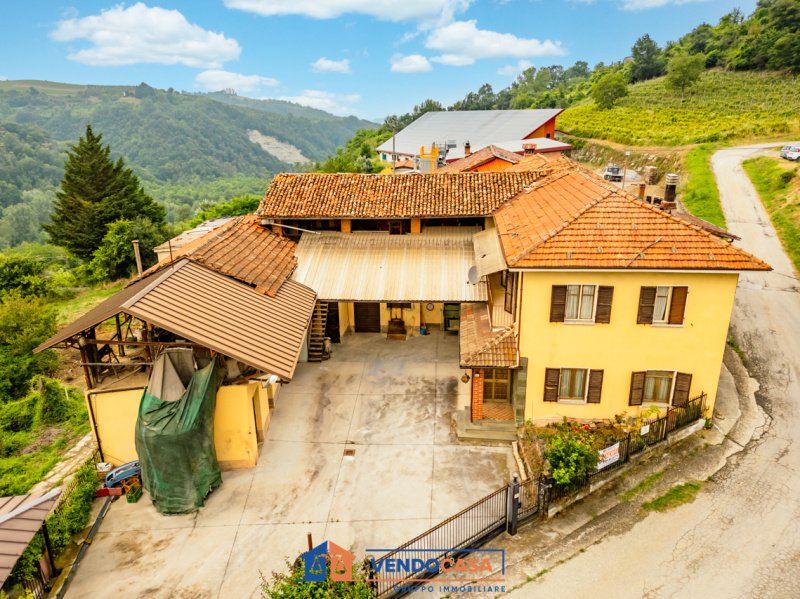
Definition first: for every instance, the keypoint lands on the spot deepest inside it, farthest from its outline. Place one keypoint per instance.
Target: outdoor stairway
(316, 344)
(487, 430)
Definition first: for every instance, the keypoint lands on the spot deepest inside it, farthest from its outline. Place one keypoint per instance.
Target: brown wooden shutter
(647, 305)
(637, 388)
(604, 297)
(683, 382)
(558, 303)
(595, 386)
(551, 378)
(677, 306)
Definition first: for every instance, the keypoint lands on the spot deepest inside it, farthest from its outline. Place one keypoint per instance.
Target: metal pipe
(143, 343)
(117, 363)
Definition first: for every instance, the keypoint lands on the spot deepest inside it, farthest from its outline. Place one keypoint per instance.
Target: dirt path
(741, 537)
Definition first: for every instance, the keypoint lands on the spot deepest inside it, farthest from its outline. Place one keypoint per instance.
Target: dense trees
(95, 192)
(648, 60)
(608, 89)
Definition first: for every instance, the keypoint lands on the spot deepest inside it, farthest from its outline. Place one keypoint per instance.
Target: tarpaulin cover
(175, 432)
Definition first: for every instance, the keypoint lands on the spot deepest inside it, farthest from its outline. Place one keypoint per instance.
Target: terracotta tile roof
(482, 156)
(480, 346)
(552, 162)
(575, 219)
(704, 224)
(319, 195)
(244, 250)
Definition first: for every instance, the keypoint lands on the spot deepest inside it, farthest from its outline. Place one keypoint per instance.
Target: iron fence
(505, 508)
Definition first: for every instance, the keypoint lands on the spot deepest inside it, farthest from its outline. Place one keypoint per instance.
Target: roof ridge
(493, 342)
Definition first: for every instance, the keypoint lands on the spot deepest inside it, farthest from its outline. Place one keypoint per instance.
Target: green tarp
(175, 432)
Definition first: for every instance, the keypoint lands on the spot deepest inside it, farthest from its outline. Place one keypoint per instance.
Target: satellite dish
(473, 276)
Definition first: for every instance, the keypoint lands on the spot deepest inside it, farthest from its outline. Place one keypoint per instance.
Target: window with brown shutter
(595, 386)
(551, 378)
(683, 382)
(511, 293)
(677, 306)
(604, 297)
(647, 303)
(637, 388)
(558, 303)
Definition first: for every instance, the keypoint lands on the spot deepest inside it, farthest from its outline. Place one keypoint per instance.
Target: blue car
(122, 473)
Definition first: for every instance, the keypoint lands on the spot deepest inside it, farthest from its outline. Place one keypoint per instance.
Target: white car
(791, 153)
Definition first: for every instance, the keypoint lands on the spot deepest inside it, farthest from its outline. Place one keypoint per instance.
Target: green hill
(723, 105)
(187, 148)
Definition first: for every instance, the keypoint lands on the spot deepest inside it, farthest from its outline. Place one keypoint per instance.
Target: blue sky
(365, 57)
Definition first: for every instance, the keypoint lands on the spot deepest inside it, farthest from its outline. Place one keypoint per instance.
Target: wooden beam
(143, 343)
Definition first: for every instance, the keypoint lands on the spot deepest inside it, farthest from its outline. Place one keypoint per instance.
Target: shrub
(572, 456)
(292, 586)
(17, 416)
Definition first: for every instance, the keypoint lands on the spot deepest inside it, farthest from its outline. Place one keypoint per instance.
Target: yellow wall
(622, 347)
(235, 432)
(345, 309)
(412, 316)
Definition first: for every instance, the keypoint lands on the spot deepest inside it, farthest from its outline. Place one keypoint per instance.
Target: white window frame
(574, 400)
(665, 319)
(579, 320)
(660, 404)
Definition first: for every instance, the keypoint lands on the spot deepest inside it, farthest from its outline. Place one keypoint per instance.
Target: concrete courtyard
(392, 402)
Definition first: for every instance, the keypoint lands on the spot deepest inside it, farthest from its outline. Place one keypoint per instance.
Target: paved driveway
(391, 402)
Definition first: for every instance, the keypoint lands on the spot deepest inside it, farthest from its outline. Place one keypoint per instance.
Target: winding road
(741, 536)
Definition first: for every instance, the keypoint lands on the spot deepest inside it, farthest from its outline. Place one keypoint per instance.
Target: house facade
(570, 297)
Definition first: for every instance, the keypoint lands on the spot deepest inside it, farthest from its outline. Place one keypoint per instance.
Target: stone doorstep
(487, 430)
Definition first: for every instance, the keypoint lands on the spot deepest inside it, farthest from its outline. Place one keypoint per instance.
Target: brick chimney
(530, 149)
(467, 149)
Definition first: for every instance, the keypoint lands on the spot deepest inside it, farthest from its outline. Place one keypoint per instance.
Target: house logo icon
(316, 563)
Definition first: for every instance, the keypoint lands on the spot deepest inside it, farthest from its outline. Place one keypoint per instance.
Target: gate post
(512, 505)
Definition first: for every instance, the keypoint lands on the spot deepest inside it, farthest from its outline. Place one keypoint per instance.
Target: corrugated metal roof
(21, 517)
(479, 345)
(489, 256)
(216, 311)
(479, 127)
(230, 317)
(429, 266)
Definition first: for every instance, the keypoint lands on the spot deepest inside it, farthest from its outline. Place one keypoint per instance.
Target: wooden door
(368, 317)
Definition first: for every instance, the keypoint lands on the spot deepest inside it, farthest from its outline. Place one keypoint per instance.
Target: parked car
(612, 173)
(791, 153)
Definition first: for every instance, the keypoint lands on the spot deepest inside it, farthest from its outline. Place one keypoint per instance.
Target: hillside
(185, 147)
(723, 105)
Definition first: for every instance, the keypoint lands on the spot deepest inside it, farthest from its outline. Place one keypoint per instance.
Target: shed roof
(479, 345)
(21, 517)
(431, 266)
(481, 157)
(182, 239)
(241, 248)
(489, 256)
(479, 127)
(575, 219)
(215, 311)
(321, 195)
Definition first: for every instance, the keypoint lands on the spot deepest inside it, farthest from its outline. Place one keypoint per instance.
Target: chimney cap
(529, 148)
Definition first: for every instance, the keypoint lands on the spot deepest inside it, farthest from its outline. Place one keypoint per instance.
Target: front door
(368, 317)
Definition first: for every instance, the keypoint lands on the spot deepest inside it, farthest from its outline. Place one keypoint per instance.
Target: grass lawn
(777, 183)
(644, 486)
(677, 495)
(700, 194)
(69, 309)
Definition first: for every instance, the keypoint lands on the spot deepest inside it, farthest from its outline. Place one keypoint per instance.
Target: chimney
(671, 187)
(529, 149)
(467, 149)
(642, 190)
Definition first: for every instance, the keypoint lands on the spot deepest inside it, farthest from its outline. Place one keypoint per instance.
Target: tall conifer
(95, 192)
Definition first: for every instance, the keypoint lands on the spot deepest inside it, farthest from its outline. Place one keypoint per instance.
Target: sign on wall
(607, 456)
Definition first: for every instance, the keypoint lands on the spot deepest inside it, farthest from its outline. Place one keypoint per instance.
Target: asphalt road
(741, 536)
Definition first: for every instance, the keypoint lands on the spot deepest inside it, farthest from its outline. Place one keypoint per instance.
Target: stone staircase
(484, 430)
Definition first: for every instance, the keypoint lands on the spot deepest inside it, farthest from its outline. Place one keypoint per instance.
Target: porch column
(476, 405)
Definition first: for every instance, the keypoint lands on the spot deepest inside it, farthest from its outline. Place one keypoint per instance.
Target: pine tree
(95, 192)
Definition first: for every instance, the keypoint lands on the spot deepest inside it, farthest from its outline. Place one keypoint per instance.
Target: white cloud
(3, 78)
(412, 63)
(387, 10)
(462, 43)
(215, 80)
(326, 65)
(511, 70)
(327, 101)
(141, 34)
